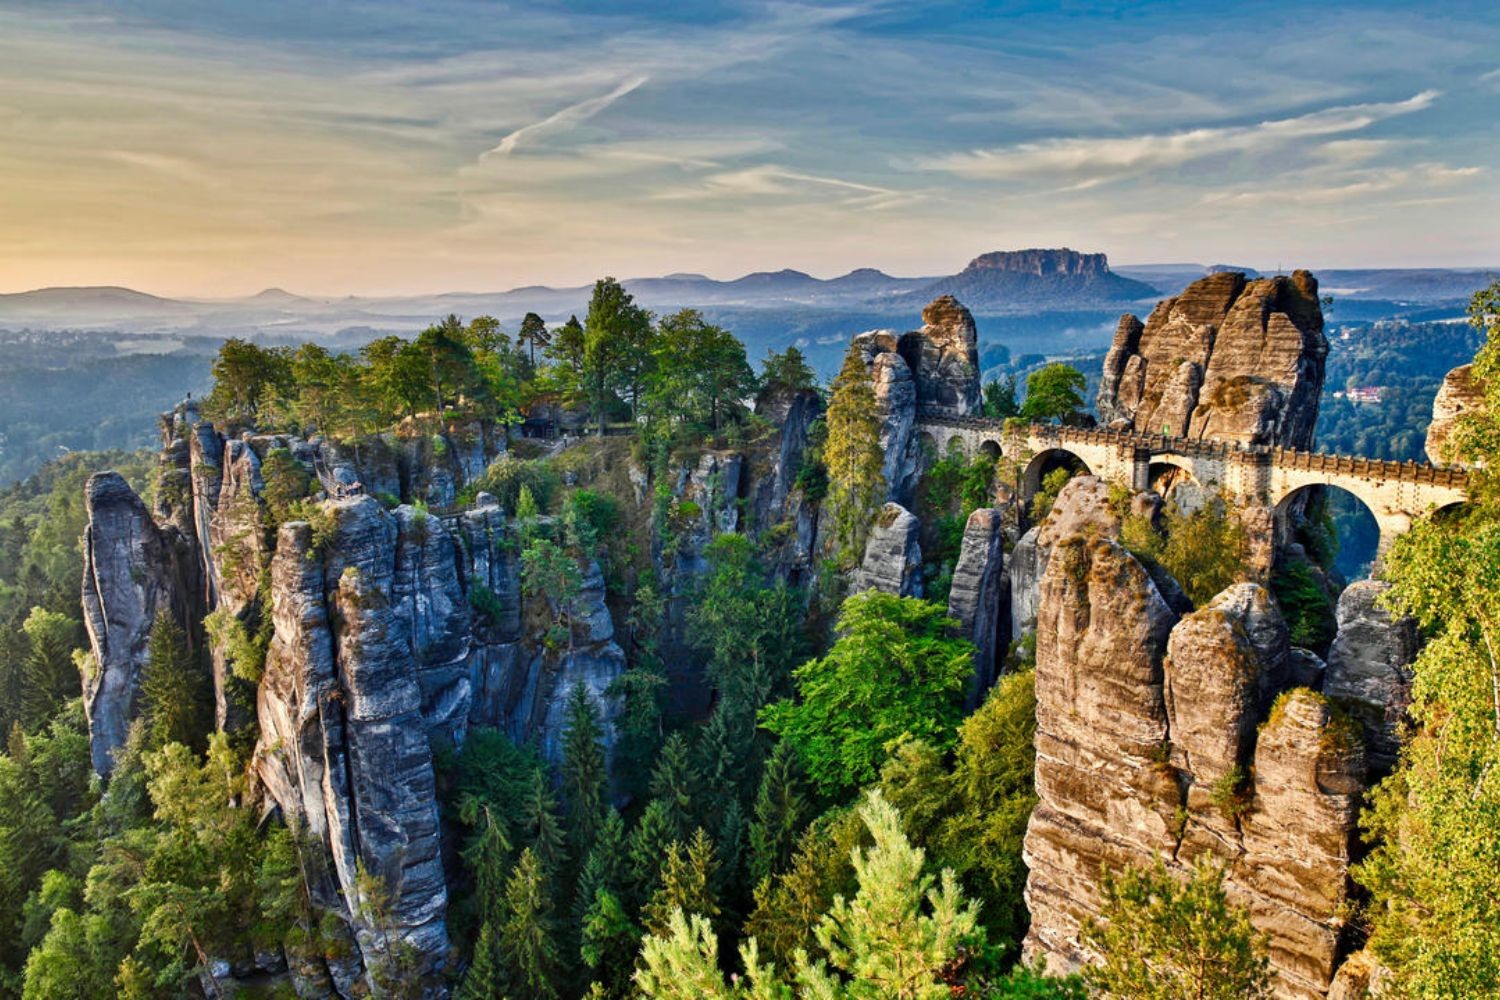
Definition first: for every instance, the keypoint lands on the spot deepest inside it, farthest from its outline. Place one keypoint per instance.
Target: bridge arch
(1355, 524)
(990, 449)
(1176, 479)
(1045, 462)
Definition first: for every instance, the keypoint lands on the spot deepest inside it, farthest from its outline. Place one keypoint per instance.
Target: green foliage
(286, 482)
(1434, 875)
(1230, 793)
(971, 816)
(1204, 551)
(249, 382)
(1046, 495)
(483, 600)
(687, 881)
(528, 933)
(550, 573)
(1000, 399)
(782, 812)
(585, 777)
(507, 478)
(699, 377)
(47, 675)
(853, 456)
(1162, 938)
(1054, 393)
(618, 342)
(896, 670)
(1305, 603)
(174, 689)
(786, 372)
(903, 934)
(244, 651)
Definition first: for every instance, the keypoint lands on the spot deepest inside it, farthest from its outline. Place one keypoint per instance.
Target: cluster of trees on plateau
(678, 376)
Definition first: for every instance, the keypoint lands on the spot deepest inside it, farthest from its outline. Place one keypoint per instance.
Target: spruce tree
(172, 688)
(687, 884)
(854, 457)
(540, 829)
(486, 975)
(584, 774)
(605, 868)
(610, 940)
(528, 934)
(649, 842)
(675, 784)
(781, 813)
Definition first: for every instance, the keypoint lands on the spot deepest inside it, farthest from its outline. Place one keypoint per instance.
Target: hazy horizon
(216, 150)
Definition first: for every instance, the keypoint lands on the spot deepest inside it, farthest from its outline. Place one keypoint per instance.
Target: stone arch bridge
(1396, 493)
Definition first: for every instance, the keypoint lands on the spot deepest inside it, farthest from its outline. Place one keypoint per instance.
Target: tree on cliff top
(853, 455)
(1434, 876)
(1054, 393)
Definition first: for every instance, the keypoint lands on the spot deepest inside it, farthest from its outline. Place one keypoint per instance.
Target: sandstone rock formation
(937, 365)
(1369, 668)
(133, 570)
(1160, 736)
(893, 554)
(1016, 280)
(944, 357)
(1228, 359)
(978, 592)
(1082, 507)
(1458, 395)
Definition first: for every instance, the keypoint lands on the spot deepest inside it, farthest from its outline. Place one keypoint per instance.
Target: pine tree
(584, 774)
(649, 841)
(172, 688)
(486, 976)
(528, 934)
(781, 813)
(605, 867)
(540, 829)
(609, 944)
(47, 674)
(675, 784)
(853, 454)
(686, 884)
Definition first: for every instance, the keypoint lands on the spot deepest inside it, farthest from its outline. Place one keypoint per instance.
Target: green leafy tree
(786, 372)
(584, 773)
(676, 784)
(249, 382)
(49, 676)
(1434, 875)
(852, 453)
(895, 670)
(549, 572)
(1054, 393)
(700, 374)
(904, 935)
(617, 346)
(533, 334)
(1162, 938)
(1204, 551)
(398, 375)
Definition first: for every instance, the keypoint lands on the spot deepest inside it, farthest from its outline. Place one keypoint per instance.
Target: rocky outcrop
(344, 749)
(944, 357)
(1228, 359)
(1458, 395)
(1369, 668)
(1025, 280)
(893, 554)
(133, 570)
(937, 365)
(978, 593)
(771, 481)
(1082, 507)
(1178, 739)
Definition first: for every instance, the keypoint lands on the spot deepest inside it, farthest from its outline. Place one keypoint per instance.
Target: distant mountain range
(999, 284)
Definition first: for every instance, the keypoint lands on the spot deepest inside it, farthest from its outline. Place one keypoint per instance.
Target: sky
(218, 147)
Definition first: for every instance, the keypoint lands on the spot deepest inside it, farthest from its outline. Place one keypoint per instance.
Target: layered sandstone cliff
(1175, 733)
(1458, 395)
(1228, 358)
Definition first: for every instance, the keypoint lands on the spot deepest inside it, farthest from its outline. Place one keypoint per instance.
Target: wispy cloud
(1104, 158)
(565, 119)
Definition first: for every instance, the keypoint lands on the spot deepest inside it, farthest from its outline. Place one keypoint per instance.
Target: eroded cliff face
(937, 366)
(391, 632)
(1168, 732)
(1457, 396)
(1228, 359)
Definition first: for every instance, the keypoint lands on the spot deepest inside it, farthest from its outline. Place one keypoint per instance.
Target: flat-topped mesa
(1042, 262)
(1228, 358)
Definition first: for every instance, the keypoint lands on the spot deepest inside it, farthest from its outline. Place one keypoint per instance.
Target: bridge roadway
(1396, 493)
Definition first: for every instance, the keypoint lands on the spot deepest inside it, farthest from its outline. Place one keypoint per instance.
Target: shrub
(1204, 551)
(506, 475)
(1046, 495)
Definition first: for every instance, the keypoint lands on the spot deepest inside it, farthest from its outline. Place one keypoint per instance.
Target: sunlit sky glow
(219, 147)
